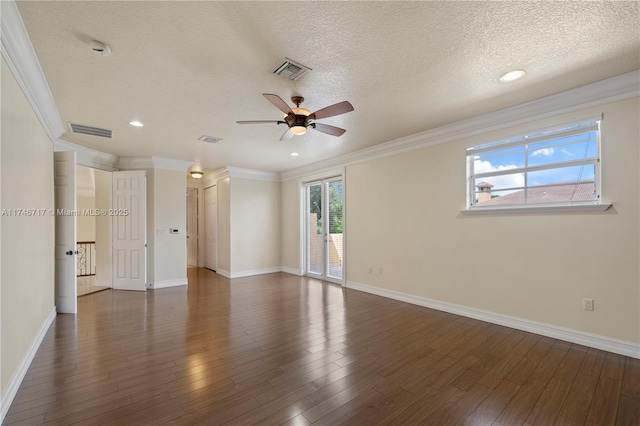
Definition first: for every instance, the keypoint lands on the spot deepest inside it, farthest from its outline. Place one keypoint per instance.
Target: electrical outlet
(587, 304)
(380, 271)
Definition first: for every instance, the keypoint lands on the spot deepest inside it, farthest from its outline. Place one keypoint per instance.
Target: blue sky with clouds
(572, 148)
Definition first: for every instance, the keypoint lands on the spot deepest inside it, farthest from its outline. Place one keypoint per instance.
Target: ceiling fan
(299, 119)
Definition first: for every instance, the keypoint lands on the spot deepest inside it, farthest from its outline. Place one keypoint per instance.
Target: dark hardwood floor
(280, 349)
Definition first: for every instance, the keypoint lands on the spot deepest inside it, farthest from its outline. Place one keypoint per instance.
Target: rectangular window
(557, 166)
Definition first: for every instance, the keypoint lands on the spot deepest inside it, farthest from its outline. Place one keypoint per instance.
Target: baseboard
(168, 283)
(224, 273)
(252, 272)
(621, 347)
(292, 271)
(18, 376)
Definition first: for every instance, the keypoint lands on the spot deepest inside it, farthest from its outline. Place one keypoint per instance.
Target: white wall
(151, 230)
(255, 226)
(169, 211)
(291, 193)
(224, 226)
(85, 224)
(27, 243)
(403, 215)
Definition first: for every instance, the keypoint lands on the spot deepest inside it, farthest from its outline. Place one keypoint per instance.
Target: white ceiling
(186, 69)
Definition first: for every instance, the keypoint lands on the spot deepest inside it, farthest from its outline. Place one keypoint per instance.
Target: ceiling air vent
(88, 130)
(209, 139)
(290, 70)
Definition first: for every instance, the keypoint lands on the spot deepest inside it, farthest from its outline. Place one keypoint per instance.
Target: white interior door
(211, 226)
(129, 230)
(65, 223)
(192, 227)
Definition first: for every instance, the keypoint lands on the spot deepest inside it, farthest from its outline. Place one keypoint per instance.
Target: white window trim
(594, 206)
(537, 209)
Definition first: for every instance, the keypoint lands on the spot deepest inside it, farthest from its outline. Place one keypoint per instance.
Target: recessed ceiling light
(512, 76)
(136, 123)
(294, 154)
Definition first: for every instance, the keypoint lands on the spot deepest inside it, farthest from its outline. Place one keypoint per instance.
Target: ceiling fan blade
(333, 110)
(286, 135)
(330, 130)
(260, 122)
(278, 102)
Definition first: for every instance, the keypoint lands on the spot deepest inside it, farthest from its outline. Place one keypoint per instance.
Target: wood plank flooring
(87, 285)
(280, 349)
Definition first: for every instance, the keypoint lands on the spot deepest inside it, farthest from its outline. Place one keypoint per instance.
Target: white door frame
(329, 177)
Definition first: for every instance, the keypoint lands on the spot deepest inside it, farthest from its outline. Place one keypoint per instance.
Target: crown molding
(18, 52)
(614, 89)
(212, 178)
(240, 173)
(171, 164)
(137, 163)
(87, 156)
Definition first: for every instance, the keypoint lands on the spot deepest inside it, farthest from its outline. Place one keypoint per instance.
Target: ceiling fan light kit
(299, 119)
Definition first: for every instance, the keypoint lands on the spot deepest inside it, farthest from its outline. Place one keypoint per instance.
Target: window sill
(537, 209)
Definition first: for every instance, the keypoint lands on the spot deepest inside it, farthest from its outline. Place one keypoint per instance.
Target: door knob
(69, 253)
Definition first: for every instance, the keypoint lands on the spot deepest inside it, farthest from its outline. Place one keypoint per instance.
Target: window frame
(524, 139)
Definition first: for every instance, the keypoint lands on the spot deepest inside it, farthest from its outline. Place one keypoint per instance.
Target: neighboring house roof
(583, 191)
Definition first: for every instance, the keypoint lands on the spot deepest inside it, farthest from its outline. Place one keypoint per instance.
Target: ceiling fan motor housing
(294, 120)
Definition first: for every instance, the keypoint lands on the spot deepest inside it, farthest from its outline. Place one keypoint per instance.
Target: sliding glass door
(324, 237)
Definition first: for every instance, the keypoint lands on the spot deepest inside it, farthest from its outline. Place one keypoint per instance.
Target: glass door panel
(334, 247)
(324, 244)
(314, 236)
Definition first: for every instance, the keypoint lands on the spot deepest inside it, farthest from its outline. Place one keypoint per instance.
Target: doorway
(192, 227)
(93, 231)
(116, 225)
(324, 229)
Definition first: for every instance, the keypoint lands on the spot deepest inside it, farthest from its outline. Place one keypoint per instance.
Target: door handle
(71, 252)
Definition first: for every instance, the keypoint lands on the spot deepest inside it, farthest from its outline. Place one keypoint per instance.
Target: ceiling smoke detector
(289, 69)
(209, 139)
(100, 47)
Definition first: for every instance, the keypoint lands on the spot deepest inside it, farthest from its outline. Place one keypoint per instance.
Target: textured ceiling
(186, 69)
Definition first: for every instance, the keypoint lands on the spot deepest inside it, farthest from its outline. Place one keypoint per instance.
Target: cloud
(547, 152)
(506, 181)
